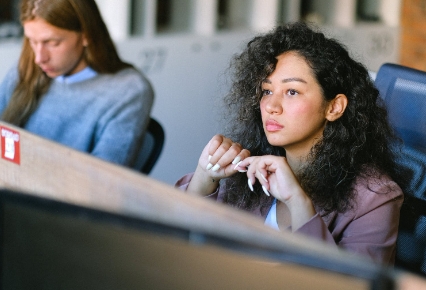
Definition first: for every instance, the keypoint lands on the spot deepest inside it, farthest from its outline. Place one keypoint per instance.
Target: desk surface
(49, 170)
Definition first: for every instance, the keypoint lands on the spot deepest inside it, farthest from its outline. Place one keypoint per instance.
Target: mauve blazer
(369, 229)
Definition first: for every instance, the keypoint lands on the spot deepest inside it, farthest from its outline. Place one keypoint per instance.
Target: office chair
(152, 147)
(403, 90)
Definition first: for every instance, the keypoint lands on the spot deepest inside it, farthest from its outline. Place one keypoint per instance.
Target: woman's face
(292, 106)
(57, 51)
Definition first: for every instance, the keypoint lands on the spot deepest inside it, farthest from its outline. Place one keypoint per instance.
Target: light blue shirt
(271, 218)
(85, 74)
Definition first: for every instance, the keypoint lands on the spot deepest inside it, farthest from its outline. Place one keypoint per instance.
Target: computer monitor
(47, 244)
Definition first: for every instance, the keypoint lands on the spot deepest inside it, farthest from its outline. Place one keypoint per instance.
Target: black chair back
(404, 92)
(152, 147)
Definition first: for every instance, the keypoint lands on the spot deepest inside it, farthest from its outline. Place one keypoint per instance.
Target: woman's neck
(296, 161)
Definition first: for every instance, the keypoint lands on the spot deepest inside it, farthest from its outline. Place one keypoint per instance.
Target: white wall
(185, 71)
(186, 74)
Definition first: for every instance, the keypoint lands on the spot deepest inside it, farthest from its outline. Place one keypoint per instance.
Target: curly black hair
(359, 140)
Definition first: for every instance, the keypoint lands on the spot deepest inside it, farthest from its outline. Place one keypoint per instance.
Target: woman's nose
(273, 104)
(41, 54)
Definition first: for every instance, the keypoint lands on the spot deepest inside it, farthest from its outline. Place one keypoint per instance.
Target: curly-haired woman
(322, 151)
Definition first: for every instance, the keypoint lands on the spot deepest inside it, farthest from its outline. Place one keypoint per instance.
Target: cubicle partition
(71, 221)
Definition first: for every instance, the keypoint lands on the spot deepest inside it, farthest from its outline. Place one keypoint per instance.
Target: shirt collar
(85, 74)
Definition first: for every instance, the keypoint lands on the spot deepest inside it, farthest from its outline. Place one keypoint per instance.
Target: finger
(265, 190)
(263, 181)
(250, 184)
(251, 171)
(217, 141)
(238, 161)
(238, 168)
(245, 162)
(217, 145)
(261, 177)
(257, 170)
(227, 157)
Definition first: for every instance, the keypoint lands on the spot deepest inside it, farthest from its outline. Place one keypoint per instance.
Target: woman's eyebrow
(294, 80)
(287, 80)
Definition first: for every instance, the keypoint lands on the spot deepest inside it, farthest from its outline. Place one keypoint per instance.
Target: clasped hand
(222, 158)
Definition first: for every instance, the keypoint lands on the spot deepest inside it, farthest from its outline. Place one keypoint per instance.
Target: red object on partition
(10, 146)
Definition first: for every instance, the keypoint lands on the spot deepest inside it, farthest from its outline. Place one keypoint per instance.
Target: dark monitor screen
(47, 244)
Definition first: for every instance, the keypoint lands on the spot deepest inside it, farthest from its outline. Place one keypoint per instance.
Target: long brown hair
(76, 15)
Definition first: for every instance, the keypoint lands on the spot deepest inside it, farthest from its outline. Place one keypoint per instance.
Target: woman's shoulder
(123, 85)
(374, 188)
(131, 74)
(8, 84)
(125, 80)
(11, 74)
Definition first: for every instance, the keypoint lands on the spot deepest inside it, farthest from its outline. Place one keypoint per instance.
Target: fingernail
(250, 185)
(209, 166)
(236, 160)
(265, 191)
(240, 170)
(216, 167)
(263, 177)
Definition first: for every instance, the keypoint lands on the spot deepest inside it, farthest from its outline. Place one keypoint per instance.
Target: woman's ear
(336, 107)
(85, 42)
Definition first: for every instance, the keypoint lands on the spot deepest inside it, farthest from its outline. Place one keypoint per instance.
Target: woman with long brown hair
(71, 86)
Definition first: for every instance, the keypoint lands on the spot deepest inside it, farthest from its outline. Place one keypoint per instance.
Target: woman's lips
(46, 69)
(272, 126)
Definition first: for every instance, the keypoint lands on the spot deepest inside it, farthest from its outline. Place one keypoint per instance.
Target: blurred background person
(71, 86)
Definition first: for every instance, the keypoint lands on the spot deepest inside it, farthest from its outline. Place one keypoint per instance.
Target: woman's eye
(266, 92)
(53, 43)
(292, 92)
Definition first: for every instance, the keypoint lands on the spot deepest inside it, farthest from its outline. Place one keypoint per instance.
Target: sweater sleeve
(184, 181)
(121, 129)
(370, 228)
(7, 87)
(316, 227)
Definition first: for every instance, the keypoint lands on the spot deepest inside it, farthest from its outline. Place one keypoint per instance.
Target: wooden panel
(59, 173)
(70, 252)
(50, 170)
(406, 281)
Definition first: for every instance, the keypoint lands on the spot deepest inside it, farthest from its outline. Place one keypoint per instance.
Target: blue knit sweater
(105, 115)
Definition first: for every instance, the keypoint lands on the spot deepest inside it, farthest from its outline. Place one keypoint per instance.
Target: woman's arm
(370, 228)
(120, 130)
(7, 86)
